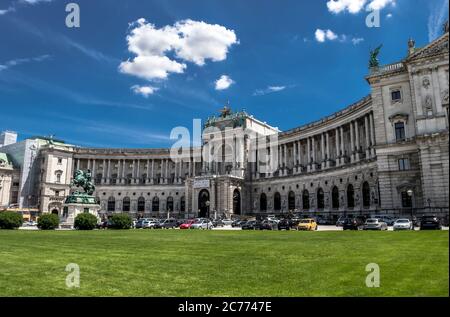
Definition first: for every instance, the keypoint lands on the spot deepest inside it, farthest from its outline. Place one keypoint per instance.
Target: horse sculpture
(84, 180)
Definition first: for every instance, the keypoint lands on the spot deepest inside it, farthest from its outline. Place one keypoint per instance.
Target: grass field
(223, 263)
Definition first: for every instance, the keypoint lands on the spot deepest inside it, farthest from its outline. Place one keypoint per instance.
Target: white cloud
(200, 41)
(389, 15)
(224, 82)
(352, 6)
(151, 67)
(328, 35)
(357, 40)
(355, 6)
(190, 41)
(144, 90)
(13, 5)
(19, 61)
(438, 15)
(269, 90)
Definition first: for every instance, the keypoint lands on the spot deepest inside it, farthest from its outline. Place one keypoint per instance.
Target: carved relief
(426, 83)
(428, 106)
(445, 97)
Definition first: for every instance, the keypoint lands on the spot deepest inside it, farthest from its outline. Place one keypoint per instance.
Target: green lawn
(223, 263)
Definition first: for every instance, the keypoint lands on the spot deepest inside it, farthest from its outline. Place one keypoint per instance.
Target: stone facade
(386, 153)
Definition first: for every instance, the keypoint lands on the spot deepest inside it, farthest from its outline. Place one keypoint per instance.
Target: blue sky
(286, 62)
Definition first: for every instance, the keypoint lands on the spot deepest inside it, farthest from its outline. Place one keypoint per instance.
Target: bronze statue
(374, 62)
(84, 180)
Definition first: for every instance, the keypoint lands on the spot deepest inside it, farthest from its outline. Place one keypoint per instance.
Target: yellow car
(307, 225)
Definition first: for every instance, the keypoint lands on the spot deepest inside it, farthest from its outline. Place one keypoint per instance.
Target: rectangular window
(59, 161)
(400, 131)
(403, 164)
(396, 95)
(56, 192)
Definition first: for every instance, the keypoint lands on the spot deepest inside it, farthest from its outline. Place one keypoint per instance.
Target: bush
(10, 220)
(120, 221)
(85, 221)
(48, 222)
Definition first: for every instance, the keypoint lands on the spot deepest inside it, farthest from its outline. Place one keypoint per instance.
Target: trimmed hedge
(10, 220)
(85, 221)
(48, 222)
(120, 222)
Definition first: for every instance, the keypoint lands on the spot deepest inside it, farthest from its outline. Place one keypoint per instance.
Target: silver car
(375, 224)
(403, 224)
(202, 224)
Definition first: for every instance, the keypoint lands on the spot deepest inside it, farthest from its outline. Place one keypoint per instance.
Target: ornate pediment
(399, 117)
(439, 46)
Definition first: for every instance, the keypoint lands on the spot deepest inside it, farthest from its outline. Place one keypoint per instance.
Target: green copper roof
(4, 158)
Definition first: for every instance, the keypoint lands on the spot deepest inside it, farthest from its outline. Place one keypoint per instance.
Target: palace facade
(386, 153)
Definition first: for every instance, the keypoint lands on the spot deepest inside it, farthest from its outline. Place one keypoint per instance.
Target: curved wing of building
(385, 154)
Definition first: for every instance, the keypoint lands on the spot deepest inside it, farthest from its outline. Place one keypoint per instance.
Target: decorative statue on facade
(374, 62)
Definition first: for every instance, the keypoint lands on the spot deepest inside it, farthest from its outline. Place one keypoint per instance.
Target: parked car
(218, 223)
(430, 223)
(403, 224)
(250, 225)
(202, 224)
(355, 223)
(166, 224)
(307, 225)
(375, 224)
(340, 221)
(236, 223)
(149, 224)
(286, 224)
(268, 225)
(187, 224)
(227, 222)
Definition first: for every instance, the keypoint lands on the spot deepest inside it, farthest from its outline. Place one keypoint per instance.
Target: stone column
(78, 164)
(299, 168)
(308, 153)
(89, 164)
(133, 172)
(180, 172)
(314, 158)
(352, 143)
(322, 151)
(152, 178)
(167, 171)
(327, 136)
(124, 168)
(337, 146)
(285, 159)
(93, 168)
(372, 135)
(148, 171)
(342, 146)
(108, 178)
(104, 172)
(138, 175)
(357, 144)
(190, 168)
(366, 126)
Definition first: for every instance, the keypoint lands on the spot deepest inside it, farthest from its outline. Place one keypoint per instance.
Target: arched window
(335, 197)
(291, 201)
(350, 196)
(305, 199)
(320, 199)
(141, 204)
(111, 204)
(277, 202)
(183, 204)
(155, 204)
(126, 203)
(366, 195)
(169, 203)
(263, 202)
(406, 200)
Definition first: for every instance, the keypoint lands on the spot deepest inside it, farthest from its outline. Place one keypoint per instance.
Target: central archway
(236, 202)
(203, 203)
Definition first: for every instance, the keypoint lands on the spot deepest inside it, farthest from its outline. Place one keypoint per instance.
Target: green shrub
(85, 221)
(10, 220)
(48, 222)
(120, 221)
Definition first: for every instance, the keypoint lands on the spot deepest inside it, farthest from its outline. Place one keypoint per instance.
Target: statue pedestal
(77, 204)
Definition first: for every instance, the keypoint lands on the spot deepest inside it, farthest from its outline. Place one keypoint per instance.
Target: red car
(187, 224)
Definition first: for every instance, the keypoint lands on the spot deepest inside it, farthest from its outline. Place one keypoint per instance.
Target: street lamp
(410, 194)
